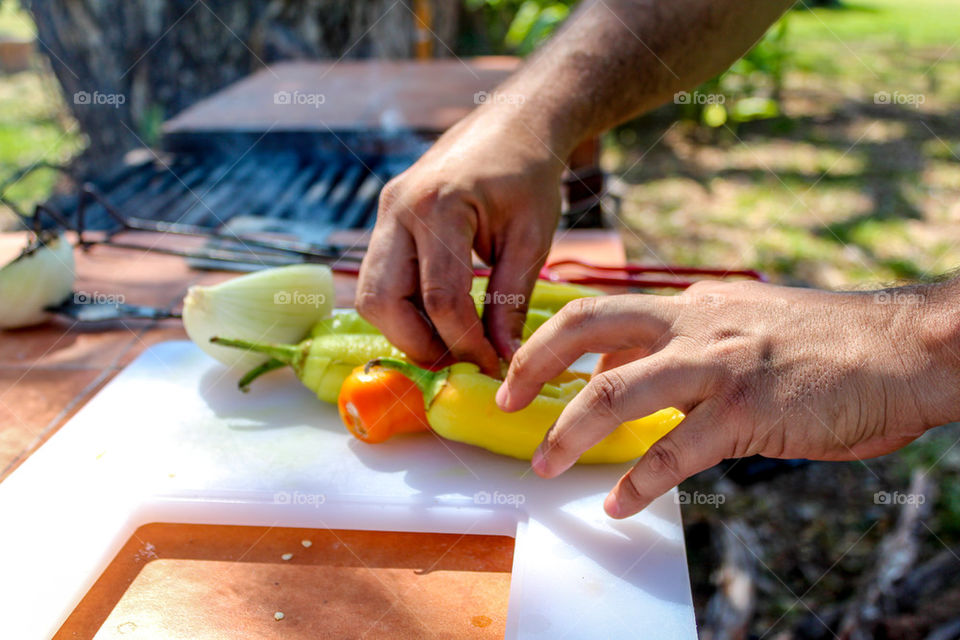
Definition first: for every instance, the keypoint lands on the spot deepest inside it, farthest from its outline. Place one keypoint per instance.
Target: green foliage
(512, 26)
(151, 127)
(749, 89)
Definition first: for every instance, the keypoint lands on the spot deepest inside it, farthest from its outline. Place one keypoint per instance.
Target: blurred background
(829, 156)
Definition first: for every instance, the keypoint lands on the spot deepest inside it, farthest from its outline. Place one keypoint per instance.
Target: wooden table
(348, 95)
(213, 582)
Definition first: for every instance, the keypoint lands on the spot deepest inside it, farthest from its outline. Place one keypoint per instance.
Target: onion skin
(36, 280)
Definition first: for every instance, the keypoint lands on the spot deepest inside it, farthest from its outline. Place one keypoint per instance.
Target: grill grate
(325, 190)
(303, 184)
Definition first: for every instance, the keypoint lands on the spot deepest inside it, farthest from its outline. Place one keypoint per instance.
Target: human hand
(756, 368)
(490, 185)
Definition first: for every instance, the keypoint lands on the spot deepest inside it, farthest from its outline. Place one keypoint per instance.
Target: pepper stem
(258, 371)
(430, 383)
(291, 354)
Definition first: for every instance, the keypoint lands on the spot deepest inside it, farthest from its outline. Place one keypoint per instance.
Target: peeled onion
(40, 277)
(274, 305)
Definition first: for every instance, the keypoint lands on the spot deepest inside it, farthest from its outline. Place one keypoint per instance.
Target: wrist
(520, 120)
(935, 321)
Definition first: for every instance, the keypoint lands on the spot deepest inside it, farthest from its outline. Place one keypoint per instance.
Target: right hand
(490, 185)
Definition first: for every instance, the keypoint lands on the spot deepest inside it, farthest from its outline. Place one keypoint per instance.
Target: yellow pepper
(547, 295)
(460, 406)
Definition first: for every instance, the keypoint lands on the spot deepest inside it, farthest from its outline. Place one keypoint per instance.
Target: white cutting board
(171, 439)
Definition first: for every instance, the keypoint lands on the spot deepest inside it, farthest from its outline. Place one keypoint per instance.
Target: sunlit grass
(14, 21)
(835, 193)
(34, 124)
(917, 23)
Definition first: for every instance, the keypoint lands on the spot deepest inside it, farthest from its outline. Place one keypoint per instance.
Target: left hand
(757, 369)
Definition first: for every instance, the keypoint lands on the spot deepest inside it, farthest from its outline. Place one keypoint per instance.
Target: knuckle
(701, 286)
(370, 304)
(632, 488)
(439, 301)
(607, 391)
(706, 293)
(556, 445)
(520, 364)
(663, 459)
(579, 311)
(391, 192)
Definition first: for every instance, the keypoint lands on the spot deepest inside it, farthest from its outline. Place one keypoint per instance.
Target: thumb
(694, 445)
(508, 296)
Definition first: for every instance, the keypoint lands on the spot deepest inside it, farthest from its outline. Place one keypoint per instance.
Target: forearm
(615, 59)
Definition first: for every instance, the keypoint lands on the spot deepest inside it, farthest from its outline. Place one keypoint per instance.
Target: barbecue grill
(246, 161)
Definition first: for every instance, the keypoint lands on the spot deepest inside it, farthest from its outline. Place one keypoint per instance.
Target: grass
(14, 21)
(34, 124)
(918, 23)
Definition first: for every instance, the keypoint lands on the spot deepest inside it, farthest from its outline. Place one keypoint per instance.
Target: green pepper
(322, 363)
(349, 322)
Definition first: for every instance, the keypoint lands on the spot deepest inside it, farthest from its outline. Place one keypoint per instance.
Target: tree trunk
(125, 65)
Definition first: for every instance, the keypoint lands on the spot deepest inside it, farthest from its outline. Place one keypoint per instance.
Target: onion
(40, 277)
(274, 305)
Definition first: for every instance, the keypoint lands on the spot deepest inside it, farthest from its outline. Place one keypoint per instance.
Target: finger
(696, 444)
(616, 359)
(388, 279)
(508, 294)
(446, 273)
(665, 379)
(599, 325)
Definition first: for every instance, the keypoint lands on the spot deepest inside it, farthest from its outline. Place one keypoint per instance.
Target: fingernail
(536, 460)
(503, 396)
(565, 468)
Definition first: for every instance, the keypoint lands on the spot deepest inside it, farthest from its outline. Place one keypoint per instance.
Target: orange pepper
(378, 403)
